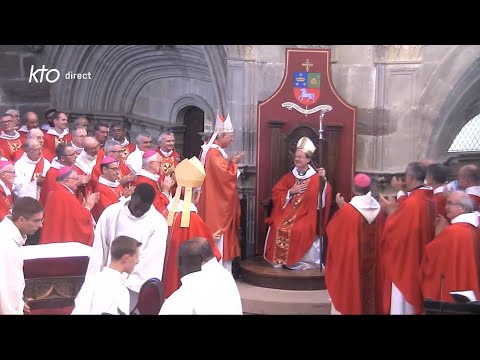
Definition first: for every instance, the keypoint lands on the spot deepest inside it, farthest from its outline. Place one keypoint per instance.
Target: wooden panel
(339, 127)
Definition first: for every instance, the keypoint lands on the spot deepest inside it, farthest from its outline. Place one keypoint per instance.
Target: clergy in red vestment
(292, 238)
(352, 270)
(168, 156)
(66, 219)
(119, 133)
(451, 261)
(183, 221)
(114, 149)
(108, 187)
(31, 122)
(469, 181)
(100, 132)
(79, 134)
(219, 204)
(134, 159)
(436, 178)
(66, 156)
(9, 138)
(84, 164)
(149, 174)
(59, 134)
(39, 135)
(49, 118)
(408, 228)
(7, 176)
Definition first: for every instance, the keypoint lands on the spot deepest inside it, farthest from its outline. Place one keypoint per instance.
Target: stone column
(241, 104)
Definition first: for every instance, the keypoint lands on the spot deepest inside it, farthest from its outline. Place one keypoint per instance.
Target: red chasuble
(352, 273)
(219, 203)
(455, 254)
(161, 201)
(52, 141)
(178, 235)
(127, 150)
(66, 220)
(10, 147)
(293, 228)
(108, 196)
(48, 184)
(406, 233)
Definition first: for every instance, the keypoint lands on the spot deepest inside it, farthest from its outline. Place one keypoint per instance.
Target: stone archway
(124, 75)
(449, 100)
(193, 119)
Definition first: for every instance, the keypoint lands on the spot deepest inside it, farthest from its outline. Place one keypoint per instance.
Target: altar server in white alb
(26, 219)
(104, 292)
(138, 219)
(207, 287)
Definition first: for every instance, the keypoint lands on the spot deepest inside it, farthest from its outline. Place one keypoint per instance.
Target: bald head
(31, 120)
(468, 175)
(31, 142)
(91, 146)
(36, 134)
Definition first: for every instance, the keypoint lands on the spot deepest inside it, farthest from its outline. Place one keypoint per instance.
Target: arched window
(468, 139)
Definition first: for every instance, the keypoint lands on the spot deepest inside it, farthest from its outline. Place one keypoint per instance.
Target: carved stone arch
(216, 57)
(120, 72)
(460, 107)
(191, 100)
(449, 93)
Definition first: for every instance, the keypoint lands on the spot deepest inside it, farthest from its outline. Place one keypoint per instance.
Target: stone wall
(15, 90)
(411, 99)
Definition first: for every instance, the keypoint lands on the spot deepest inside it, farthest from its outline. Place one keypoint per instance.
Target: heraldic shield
(306, 87)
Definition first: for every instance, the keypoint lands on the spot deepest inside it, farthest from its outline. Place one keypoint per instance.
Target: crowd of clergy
(399, 251)
(134, 206)
(146, 212)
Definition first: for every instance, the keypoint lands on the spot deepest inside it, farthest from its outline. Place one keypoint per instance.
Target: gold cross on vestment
(307, 65)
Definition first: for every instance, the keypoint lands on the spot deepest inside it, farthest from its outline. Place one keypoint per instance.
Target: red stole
(38, 169)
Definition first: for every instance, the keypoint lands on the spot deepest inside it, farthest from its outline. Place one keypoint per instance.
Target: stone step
(266, 301)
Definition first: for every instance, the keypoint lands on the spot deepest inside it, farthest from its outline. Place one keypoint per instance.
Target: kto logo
(51, 75)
